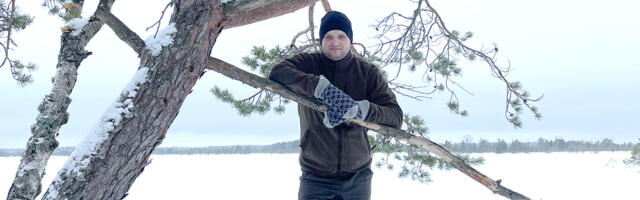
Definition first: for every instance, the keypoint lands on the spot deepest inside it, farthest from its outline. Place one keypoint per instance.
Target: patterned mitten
(341, 106)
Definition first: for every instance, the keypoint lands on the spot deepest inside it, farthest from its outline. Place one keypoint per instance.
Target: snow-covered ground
(275, 176)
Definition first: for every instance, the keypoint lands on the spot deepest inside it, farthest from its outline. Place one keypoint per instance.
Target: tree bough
(256, 81)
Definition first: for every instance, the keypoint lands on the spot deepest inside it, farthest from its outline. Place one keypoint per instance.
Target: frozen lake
(275, 176)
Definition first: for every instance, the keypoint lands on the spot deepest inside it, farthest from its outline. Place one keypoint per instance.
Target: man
(335, 154)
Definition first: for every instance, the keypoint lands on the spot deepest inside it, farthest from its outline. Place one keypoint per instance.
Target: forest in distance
(481, 146)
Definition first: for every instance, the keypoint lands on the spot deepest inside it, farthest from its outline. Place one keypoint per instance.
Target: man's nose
(334, 43)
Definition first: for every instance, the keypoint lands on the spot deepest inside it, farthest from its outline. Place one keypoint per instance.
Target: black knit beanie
(335, 20)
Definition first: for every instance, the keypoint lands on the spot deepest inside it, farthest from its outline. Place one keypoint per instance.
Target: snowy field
(275, 176)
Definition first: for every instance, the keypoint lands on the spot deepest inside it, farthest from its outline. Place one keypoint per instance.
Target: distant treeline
(542, 145)
(280, 147)
(483, 146)
(60, 151)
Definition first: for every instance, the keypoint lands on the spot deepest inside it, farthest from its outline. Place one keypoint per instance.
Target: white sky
(579, 54)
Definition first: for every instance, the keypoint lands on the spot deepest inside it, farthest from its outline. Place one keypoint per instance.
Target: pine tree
(13, 20)
(635, 156)
(165, 77)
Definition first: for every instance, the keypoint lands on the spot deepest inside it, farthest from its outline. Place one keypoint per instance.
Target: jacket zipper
(335, 67)
(339, 153)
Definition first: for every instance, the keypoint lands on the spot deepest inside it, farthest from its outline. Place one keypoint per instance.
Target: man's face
(336, 44)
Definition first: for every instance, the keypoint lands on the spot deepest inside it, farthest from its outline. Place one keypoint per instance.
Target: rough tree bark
(424, 143)
(108, 168)
(53, 111)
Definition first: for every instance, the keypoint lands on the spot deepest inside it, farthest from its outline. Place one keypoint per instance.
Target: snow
(261, 62)
(38, 140)
(30, 166)
(87, 149)
(275, 176)
(78, 24)
(162, 39)
(226, 1)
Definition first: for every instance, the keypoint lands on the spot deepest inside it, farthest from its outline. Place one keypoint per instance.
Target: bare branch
(243, 12)
(159, 20)
(310, 43)
(122, 31)
(498, 72)
(364, 49)
(295, 37)
(400, 88)
(311, 27)
(422, 39)
(325, 4)
(253, 96)
(307, 46)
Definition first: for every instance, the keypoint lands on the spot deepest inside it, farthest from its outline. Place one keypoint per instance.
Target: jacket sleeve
(384, 108)
(293, 73)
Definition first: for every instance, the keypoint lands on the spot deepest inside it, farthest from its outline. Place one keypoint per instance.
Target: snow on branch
(87, 149)
(75, 25)
(163, 38)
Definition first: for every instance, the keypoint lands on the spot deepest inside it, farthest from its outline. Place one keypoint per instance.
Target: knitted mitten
(341, 106)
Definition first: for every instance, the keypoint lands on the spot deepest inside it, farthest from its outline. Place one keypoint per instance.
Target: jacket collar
(346, 61)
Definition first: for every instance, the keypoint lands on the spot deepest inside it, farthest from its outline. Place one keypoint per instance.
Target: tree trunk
(52, 112)
(107, 163)
(107, 170)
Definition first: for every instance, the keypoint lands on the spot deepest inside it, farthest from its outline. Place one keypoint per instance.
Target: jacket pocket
(319, 151)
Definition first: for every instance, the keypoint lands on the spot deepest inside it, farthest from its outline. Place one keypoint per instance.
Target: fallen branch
(424, 143)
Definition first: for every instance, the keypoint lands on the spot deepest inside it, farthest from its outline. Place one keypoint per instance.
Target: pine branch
(424, 143)
(421, 38)
(13, 20)
(497, 71)
(258, 82)
(10, 23)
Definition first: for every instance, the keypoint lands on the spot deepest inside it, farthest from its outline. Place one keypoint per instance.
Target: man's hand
(341, 106)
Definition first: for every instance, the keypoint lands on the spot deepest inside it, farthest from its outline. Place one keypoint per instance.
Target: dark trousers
(354, 187)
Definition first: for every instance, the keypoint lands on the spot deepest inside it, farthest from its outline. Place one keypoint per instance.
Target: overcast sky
(579, 54)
